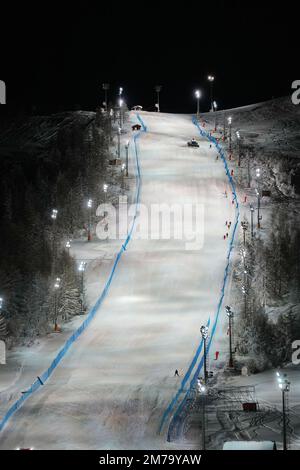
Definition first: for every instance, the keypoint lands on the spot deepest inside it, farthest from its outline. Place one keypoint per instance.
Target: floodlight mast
(198, 96)
(284, 386)
(211, 79)
(105, 87)
(158, 90)
(204, 334)
(230, 314)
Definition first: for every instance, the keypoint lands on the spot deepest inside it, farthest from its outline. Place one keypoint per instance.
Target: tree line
(269, 319)
(61, 169)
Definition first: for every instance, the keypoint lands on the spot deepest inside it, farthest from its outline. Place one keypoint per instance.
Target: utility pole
(158, 90)
(284, 386)
(230, 314)
(204, 333)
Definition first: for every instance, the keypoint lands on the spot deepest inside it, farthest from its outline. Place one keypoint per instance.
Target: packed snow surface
(111, 389)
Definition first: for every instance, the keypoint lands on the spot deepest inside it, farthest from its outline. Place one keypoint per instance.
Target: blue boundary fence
(40, 381)
(142, 123)
(193, 381)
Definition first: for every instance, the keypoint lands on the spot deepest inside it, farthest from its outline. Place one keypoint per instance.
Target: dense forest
(46, 162)
(267, 285)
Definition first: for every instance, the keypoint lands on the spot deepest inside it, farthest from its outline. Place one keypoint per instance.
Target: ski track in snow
(112, 389)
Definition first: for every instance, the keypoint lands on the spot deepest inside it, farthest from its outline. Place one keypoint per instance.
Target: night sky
(56, 57)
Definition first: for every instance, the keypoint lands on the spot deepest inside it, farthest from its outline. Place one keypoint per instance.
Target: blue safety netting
(177, 415)
(40, 381)
(142, 123)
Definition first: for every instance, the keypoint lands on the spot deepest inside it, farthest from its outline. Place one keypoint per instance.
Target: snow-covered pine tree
(3, 327)
(69, 301)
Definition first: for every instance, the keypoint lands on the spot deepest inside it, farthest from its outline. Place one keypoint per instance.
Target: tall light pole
(224, 126)
(258, 208)
(158, 90)
(81, 269)
(120, 106)
(198, 96)
(230, 314)
(2, 325)
(252, 214)
(215, 109)
(127, 156)
(56, 288)
(238, 135)
(54, 214)
(246, 278)
(119, 142)
(204, 333)
(105, 188)
(105, 87)
(68, 245)
(202, 392)
(244, 291)
(284, 386)
(123, 169)
(258, 174)
(89, 206)
(248, 170)
(244, 225)
(54, 217)
(230, 124)
(211, 79)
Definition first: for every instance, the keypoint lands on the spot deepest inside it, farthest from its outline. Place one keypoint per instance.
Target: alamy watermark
(182, 222)
(296, 94)
(2, 92)
(296, 353)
